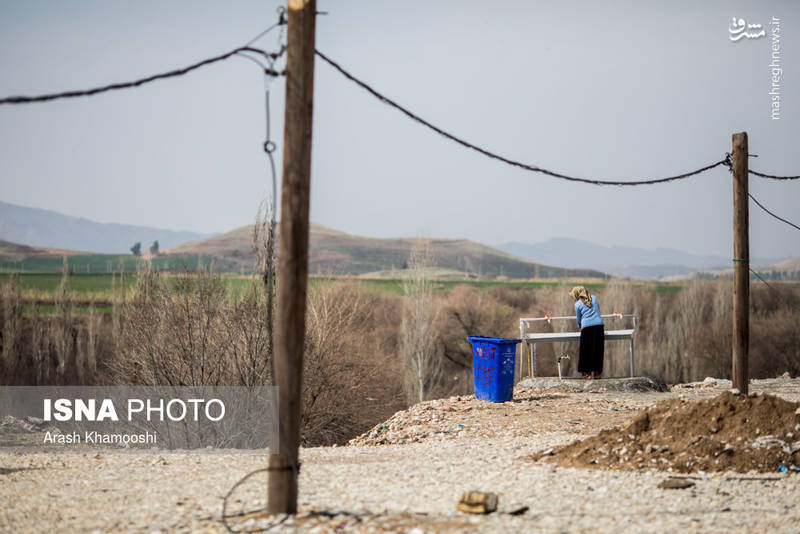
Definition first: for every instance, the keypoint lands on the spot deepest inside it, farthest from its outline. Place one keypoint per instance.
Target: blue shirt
(587, 316)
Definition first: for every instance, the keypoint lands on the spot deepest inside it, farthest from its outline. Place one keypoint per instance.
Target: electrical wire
(21, 99)
(781, 295)
(772, 176)
(760, 205)
(281, 22)
(492, 155)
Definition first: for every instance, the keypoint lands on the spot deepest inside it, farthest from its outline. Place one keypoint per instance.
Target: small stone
(675, 483)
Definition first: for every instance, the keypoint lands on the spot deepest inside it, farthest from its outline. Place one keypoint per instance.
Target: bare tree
(11, 333)
(418, 333)
(333, 364)
(264, 252)
(174, 331)
(64, 339)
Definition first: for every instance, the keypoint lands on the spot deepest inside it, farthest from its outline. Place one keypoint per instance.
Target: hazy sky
(595, 89)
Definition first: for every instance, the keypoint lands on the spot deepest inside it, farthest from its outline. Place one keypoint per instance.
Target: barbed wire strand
(21, 99)
(772, 176)
(729, 164)
(492, 155)
(760, 205)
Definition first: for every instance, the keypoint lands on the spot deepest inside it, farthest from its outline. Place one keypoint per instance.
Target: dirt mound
(530, 414)
(726, 433)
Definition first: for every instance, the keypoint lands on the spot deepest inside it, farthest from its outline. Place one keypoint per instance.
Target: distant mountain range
(47, 233)
(335, 252)
(27, 233)
(628, 262)
(44, 228)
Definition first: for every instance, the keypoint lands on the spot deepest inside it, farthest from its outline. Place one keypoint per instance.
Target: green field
(79, 283)
(393, 285)
(99, 263)
(99, 285)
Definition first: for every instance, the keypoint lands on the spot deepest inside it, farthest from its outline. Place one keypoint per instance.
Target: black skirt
(590, 354)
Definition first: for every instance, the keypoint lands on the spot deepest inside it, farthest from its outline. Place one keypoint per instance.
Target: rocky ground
(407, 474)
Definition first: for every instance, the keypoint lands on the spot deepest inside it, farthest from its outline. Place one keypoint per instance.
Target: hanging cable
(242, 51)
(136, 83)
(781, 295)
(760, 205)
(772, 176)
(281, 22)
(492, 155)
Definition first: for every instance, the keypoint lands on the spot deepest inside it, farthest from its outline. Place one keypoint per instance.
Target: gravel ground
(412, 485)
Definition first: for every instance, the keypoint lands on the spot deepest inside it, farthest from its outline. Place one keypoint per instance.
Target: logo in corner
(739, 29)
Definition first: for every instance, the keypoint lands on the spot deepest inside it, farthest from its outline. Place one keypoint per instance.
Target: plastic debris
(477, 502)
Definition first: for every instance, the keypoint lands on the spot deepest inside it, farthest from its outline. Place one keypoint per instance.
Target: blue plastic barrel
(493, 367)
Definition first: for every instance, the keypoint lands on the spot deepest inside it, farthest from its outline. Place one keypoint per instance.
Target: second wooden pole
(741, 265)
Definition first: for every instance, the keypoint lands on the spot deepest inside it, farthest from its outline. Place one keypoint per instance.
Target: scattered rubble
(27, 424)
(413, 488)
(709, 382)
(635, 383)
(531, 412)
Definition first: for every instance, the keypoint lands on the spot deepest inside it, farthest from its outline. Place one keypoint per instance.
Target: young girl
(590, 353)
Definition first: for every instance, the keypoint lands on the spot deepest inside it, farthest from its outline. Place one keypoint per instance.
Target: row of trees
(136, 249)
(789, 276)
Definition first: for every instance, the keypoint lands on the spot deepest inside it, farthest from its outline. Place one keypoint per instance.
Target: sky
(606, 90)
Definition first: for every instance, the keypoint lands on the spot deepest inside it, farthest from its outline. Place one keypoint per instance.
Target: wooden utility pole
(741, 265)
(293, 253)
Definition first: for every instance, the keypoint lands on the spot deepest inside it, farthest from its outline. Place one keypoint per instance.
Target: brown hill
(792, 264)
(11, 252)
(335, 252)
